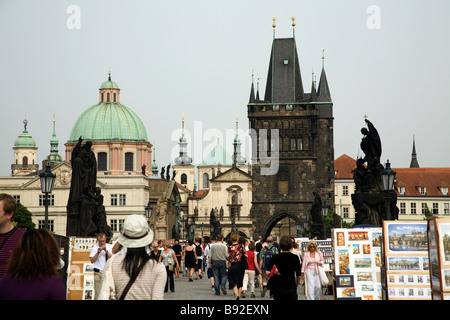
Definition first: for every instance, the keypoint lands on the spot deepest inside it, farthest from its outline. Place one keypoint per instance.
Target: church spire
(414, 162)
(54, 157)
(252, 92)
(238, 159)
(323, 90)
(183, 158)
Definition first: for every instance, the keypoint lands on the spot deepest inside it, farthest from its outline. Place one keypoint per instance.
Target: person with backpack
(199, 253)
(265, 255)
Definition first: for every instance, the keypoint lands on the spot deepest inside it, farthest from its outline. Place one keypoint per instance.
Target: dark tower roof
(284, 82)
(323, 90)
(414, 162)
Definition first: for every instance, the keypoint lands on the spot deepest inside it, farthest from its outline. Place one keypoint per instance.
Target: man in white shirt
(98, 256)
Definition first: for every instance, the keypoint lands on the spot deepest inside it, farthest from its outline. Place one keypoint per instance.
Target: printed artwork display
(407, 264)
(439, 256)
(357, 255)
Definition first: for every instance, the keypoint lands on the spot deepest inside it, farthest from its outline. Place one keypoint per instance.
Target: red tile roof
(430, 178)
(409, 178)
(344, 166)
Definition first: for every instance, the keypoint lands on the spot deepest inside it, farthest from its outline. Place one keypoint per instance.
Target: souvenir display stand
(357, 263)
(80, 271)
(406, 274)
(439, 257)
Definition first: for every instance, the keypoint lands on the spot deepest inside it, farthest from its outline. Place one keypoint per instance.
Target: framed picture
(344, 281)
(405, 237)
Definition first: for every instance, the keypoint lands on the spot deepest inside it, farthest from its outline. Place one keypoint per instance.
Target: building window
(114, 199)
(107, 97)
(289, 107)
(423, 191)
(116, 225)
(25, 161)
(345, 212)
(424, 208)
(205, 180)
(402, 207)
(345, 190)
(17, 198)
(51, 200)
(102, 161)
(122, 199)
(51, 225)
(129, 161)
(401, 190)
(413, 208)
(114, 97)
(446, 208)
(183, 179)
(118, 199)
(293, 144)
(102, 98)
(444, 191)
(300, 144)
(435, 208)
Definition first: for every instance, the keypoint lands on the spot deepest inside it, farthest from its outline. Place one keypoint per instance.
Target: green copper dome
(109, 85)
(109, 121)
(25, 140)
(218, 155)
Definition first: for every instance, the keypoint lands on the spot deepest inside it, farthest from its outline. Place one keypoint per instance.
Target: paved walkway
(201, 290)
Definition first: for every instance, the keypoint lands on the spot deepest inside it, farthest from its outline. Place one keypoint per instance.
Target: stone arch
(273, 220)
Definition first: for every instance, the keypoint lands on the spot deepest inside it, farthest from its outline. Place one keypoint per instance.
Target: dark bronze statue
(369, 199)
(86, 213)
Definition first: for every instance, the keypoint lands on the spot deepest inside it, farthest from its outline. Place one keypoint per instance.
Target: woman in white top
(169, 259)
(312, 260)
(150, 275)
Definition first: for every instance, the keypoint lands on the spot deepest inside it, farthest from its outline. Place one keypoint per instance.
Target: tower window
(102, 161)
(25, 161)
(129, 161)
(183, 178)
(114, 97)
(205, 180)
(107, 97)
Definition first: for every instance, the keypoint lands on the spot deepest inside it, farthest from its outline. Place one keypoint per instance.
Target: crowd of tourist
(137, 267)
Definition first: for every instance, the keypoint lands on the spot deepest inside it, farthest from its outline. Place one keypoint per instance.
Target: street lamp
(47, 182)
(388, 178)
(325, 214)
(148, 212)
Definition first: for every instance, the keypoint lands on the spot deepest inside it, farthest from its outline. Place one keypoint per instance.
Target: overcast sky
(384, 59)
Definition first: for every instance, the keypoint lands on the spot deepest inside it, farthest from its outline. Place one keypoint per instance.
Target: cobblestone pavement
(201, 290)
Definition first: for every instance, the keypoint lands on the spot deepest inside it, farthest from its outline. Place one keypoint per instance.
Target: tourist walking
(190, 259)
(169, 259)
(199, 253)
(133, 275)
(177, 249)
(312, 260)
(265, 255)
(236, 255)
(218, 260)
(249, 274)
(287, 278)
(32, 272)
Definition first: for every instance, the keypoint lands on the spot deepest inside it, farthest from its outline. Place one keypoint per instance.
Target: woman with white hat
(133, 275)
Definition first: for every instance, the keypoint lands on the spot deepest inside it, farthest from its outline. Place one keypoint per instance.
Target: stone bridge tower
(292, 138)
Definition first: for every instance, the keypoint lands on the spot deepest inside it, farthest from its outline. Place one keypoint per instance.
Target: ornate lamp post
(388, 178)
(47, 182)
(324, 214)
(148, 212)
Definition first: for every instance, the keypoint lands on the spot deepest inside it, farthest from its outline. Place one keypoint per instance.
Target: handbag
(323, 277)
(130, 283)
(170, 267)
